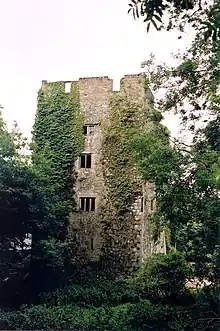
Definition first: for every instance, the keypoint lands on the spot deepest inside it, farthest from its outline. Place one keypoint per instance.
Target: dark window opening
(152, 204)
(142, 205)
(87, 204)
(92, 244)
(82, 161)
(82, 203)
(92, 204)
(88, 161)
(85, 130)
(85, 161)
(88, 130)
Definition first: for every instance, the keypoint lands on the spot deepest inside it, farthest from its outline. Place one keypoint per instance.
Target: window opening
(92, 244)
(88, 130)
(85, 130)
(142, 205)
(82, 161)
(152, 204)
(82, 203)
(85, 161)
(87, 204)
(88, 161)
(92, 204)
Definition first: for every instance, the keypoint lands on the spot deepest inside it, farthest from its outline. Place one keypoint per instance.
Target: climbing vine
(58, 137)
(122, 181)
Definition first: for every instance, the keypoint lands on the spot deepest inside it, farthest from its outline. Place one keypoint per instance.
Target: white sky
(65, 40)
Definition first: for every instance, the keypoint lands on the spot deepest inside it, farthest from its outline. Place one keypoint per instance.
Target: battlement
(99, 79)
(95, 93)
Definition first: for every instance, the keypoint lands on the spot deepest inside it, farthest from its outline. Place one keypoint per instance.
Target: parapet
(125, 80)
(98, 77)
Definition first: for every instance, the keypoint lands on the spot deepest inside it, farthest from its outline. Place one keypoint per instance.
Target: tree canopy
(169, 14)
(186, 174)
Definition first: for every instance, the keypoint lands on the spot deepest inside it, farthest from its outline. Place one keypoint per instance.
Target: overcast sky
(65, 40)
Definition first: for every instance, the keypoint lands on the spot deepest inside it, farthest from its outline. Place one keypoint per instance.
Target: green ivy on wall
(58, 136)
(122, 182)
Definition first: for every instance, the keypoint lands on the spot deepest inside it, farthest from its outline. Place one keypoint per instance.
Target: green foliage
(118, 155)
(157, 160)
(126, 317)
(37, 197)
(162, 278)
(58, 136)
(154, 298)
(153, 11)
(57, 142)
(18, 200)
(202, 15)
(122, 181)
(102, 293)
(25, 221)
(187, 198)
(211, 25)
(186, 176)
(186, 68)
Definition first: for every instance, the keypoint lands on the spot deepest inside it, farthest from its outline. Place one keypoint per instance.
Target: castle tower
(95, 94)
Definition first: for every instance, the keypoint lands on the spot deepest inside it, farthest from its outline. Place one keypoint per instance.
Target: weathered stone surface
(95, 94)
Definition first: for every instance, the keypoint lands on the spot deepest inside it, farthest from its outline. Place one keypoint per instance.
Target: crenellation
(104, 82)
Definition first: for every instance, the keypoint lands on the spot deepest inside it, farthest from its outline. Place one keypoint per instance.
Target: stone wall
(95, 94)
(94, 99)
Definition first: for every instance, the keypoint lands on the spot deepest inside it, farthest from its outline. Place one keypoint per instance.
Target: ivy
(122, 181)
(58, 137)
(120, 175)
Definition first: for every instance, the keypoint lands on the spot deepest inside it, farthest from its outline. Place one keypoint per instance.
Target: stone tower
(85, 222)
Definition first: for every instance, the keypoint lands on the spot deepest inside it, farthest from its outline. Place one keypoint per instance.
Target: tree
(31, 250)
(200, 14)
(16, 209)
(186, 175)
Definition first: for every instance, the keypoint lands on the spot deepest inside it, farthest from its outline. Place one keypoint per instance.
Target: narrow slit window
(87, 204)
(85, 130)
(82, 161)
(88, 161)
(142, 205)
(82, 204)
(92, 244)
(92, 204)
(152, 204)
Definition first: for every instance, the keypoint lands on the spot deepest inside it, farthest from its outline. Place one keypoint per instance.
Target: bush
(127, 317)
(143, 315)
(162, 278)
(50, 318)
(150, 300)
(103, 293)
